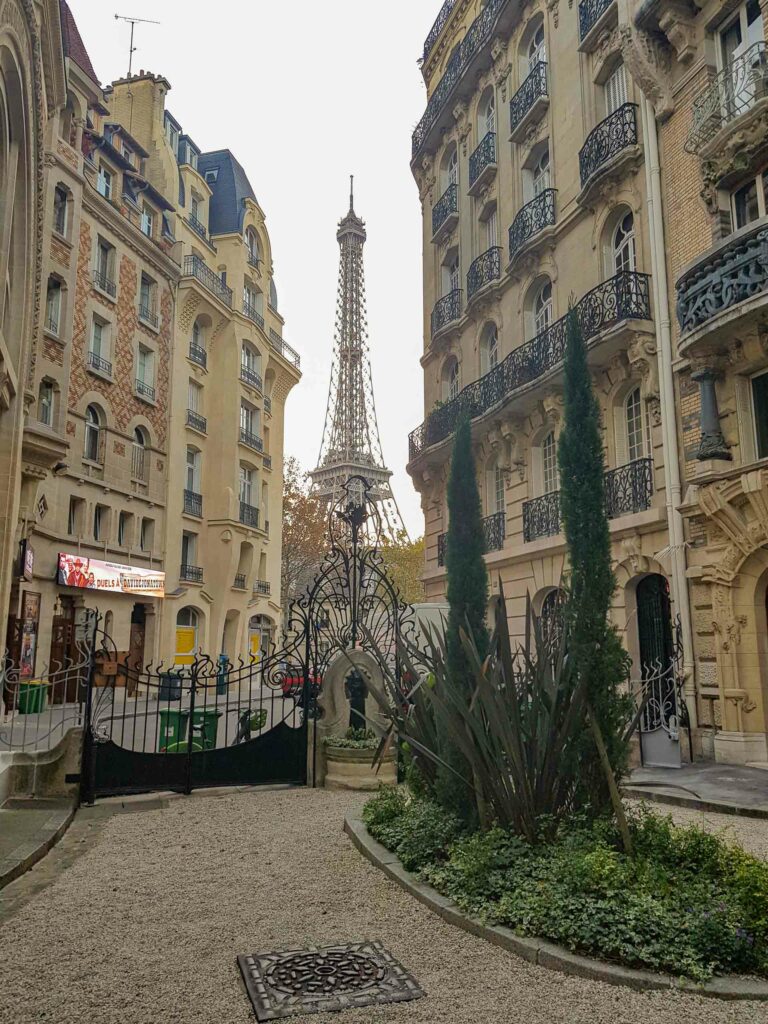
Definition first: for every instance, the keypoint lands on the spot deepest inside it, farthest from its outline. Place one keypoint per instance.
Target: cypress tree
(595, 645)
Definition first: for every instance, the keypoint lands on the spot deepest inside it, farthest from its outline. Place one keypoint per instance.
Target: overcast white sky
(304, 94)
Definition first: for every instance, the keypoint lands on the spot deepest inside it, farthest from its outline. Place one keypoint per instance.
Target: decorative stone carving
(736, 153)
(425, 178)
(553, 6)
(678, 23)
(650, 64)
(463, 125)
(642, 358)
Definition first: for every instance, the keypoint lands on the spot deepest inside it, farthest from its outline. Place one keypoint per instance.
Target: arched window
(451, 386)
(487, 115)
(92, 449)
(252, 246)
(542, 308)
(45, 403)
(540, 173)
(489, 348)
(623, 242)
(615, 89)
(537, 50)
(633, 421)
(549, 474)
(198, 335)
(187, 635)
(139, 463)
(449, 169)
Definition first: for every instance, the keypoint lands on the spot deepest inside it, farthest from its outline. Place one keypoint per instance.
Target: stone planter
(347, 768)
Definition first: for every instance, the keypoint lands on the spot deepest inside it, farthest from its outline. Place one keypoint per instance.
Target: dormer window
(128, 154)
(211, 176)
(173, 138)
(147, 221)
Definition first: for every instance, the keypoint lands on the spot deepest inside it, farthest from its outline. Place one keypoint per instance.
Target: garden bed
(688, 910)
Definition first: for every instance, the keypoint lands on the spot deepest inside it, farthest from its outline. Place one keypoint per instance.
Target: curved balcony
(735, 91)
(483, 271)
(250, 311)
(530, 101)
(482, 163)
(731, 277)
(445, 213)
(439, 24)
(479, 35)
(447, 311)
(531, 220)
(494, 530)
(614, 136)
(593, 15)
(623, 297)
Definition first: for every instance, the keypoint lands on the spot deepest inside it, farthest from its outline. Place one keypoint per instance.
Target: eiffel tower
(351, 445)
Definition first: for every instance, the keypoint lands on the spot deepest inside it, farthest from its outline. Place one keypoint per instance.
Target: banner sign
(93, 574)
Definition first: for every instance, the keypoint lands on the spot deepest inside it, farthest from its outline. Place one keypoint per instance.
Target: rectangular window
(98, 346)
(145, 369)
(147, 531)
(53, 306)
(247, 419)
(73, 516)
(104, 274)
(746, 206)
(760, 412)
(491, 231)
(98, 521)
(194, 208)
(122, 529)
(60, 211)
(499, 489)
(194, 397)
(193, 470)
(45, 405)
(246, 485)
(147, 299)
(616, 90)
(188, 548)
(104, 183)
(147, 221)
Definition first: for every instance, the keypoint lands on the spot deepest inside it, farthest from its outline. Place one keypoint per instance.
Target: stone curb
(694, 803)
(33, 850)
(538, 951)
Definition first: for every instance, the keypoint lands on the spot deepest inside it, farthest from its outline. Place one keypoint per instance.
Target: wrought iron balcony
(541, 516)
(239, 583)
(284, 348)
(252, 313)
(735, 271)
(52, 324)
(733, 92)
(249, 515)
(251, 440)
(446, 311)
(145, 390)
(198, 355)
(482, 161)
(532, 94)
(629, 488)
(590, 12)
(531, 219)
(195, 267)
(611, 137)
(191, 573)
(253, 259)
(148, 316)
(96, 362)
(494, 530)
(440, 22)
(106, 284)
(193, 504)
(445, 212)
(267, 461)
(250, 377)
(268, 404)
(196, 421)
(483, 270)
(262, 587)
(478, 35)
(623, 297)
(198, 227)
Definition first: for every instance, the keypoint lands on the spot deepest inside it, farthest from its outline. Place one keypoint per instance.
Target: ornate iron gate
(211, 723)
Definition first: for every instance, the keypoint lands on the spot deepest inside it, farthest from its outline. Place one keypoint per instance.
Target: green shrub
(353, 739)
(418, 831)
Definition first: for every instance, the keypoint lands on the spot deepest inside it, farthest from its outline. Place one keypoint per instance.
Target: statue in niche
(356, 691)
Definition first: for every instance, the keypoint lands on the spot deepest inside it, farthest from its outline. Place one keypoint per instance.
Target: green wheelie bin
(173, 729)
(32, 697)
(206, 723)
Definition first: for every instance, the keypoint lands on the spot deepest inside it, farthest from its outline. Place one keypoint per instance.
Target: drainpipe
(667, 398)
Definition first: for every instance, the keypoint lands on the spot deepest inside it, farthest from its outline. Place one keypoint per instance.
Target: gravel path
(144, 928)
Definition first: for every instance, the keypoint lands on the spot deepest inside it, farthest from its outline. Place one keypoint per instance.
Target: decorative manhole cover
(297, 981)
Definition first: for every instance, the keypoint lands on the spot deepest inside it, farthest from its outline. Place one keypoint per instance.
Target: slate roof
(74, 47)
(226, 209)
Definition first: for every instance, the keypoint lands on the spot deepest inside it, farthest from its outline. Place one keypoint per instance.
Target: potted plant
(349, 761)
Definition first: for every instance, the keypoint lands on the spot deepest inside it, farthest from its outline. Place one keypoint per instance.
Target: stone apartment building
(553, 163)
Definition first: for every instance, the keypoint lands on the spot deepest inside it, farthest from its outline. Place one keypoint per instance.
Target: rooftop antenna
(351, 191)
(133, 23)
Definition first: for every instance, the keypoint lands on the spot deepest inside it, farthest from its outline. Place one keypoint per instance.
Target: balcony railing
(479, 33)
(446, 206)
(198, 355)
(196, 421)
(250, 377)
(494, 530)
(532, 89)
(446, 311)
(263, 587)
(253, 259)
(251, 440)
(732, 93)
(145, 390)
(623, 297)
(440, 22)
(252, 313)
(483, 157)
(195, 267)
(268, 404)
(106, 284)
(531, 219)
(198, 227)
(52, 324)
(99, 364)
(239, 582)
(483, 270)
(193, 504)
(284, 348)
(590, 12)
(148, 316)
(267, 461)
(191, 573)
(249, 515)
(735, 271)
(612, 136)
(541, 516)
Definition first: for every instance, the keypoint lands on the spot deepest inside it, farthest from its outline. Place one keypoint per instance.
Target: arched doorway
(659, 726)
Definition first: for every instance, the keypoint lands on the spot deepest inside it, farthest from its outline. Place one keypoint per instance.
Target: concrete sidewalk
(726, 788)
(28, 829)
